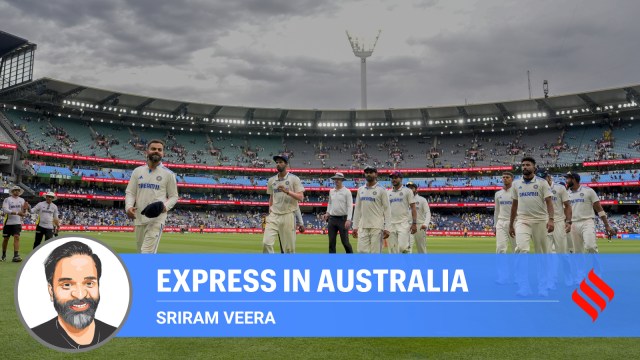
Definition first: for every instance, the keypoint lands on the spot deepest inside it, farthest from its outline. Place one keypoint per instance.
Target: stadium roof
(54, 92)
(9, 43)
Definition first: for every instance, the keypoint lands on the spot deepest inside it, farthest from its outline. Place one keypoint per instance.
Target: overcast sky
(295, 54)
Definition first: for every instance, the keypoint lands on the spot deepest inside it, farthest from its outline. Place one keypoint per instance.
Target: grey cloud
(576, 46)
(138, 33)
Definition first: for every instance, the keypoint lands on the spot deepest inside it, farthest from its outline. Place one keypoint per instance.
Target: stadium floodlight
(545, 88)
(361, 51)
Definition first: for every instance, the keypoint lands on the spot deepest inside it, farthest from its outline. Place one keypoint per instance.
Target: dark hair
(67, 250)
(507, 173)
(530, 159)
(156, 141)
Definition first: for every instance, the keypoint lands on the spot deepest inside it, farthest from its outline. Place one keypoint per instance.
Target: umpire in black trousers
(339, 212)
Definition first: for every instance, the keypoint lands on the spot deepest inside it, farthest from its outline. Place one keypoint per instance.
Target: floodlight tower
(361, 51)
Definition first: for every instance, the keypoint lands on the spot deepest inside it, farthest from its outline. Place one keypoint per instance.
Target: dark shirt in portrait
(53, 333)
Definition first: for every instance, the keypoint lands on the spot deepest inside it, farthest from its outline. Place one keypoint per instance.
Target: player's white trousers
(583, 234)
(399, 240)
(531, 231)
(558, 238)
(503, 239)
(280, 227)
(419, 240)
(370, 241)
(148, 237)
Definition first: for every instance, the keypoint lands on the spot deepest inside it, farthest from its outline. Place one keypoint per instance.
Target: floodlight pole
(359, 50)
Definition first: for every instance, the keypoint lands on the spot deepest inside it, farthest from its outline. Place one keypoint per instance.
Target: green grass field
(17, 344)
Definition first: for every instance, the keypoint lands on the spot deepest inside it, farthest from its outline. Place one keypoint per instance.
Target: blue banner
(383, 296)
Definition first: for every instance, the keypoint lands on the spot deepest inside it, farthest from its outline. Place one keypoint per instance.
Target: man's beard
(154, 157)
(526, 172)
(77, 319)
(370, 178)
(281, 168)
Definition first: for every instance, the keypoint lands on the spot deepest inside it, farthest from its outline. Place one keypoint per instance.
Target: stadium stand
(561, 142)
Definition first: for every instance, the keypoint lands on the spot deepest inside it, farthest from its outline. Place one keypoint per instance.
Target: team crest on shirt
(375, 193)
(159, 178)
(535, 186)
(582, 194)
(286, 182)
(554, 191)
(520, 187)
(400, 193)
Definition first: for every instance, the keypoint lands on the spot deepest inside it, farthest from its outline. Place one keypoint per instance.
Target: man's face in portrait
(75, 291)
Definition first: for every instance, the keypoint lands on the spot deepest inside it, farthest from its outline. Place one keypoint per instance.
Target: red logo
(593, 295)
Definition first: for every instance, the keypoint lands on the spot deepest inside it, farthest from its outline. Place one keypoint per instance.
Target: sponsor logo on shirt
(149, 186)
(529, 193)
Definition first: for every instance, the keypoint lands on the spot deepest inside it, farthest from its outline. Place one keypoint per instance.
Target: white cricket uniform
(583, 229)
(501, 217)
(281, 222)
(532, 216)
(400, 231)
(147, 186)
(424, 218)
(10, 205)
(558, 237)
(46, 214)
(371, 217)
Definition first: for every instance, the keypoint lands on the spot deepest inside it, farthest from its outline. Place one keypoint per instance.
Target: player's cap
(573, 175)
(338, 176)
(18, 188)
(412, 184)
(282, 157)
(50, 194)
(153, 210)
(542, 172)
(370, 168)
(395, 174)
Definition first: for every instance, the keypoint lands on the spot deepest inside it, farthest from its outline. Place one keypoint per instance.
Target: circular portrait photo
(73, 293)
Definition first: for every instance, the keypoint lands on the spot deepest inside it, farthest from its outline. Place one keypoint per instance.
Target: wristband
(568, 222)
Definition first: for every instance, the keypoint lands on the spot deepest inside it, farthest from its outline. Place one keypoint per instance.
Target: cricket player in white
(532, 205)
(558, 238)
(501, 215)
(372, 215)
(48, 218)
(423, 214)
(583, 203)
(285, 191)
(403, 216)
(15, 209)
(148, 184)
(561, 213)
